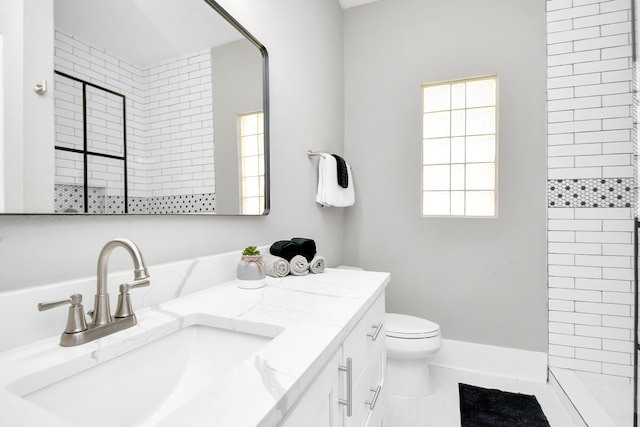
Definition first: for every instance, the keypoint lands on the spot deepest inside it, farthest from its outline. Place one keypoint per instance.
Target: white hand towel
(299, 265)
(275, 266)
(330, 193)
(317, 264)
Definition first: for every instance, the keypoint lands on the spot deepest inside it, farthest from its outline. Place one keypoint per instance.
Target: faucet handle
(124, 309)
(76, 321)
(74, 300)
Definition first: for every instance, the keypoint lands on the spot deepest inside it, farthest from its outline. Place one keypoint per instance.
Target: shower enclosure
(91, 147)
(635, 290)
(636, 102)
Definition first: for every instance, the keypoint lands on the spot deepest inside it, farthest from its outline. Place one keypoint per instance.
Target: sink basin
(145, 385)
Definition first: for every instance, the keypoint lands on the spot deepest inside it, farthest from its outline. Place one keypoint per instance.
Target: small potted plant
(251, 270)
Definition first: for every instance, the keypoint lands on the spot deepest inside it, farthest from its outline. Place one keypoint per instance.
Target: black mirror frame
(265, 100)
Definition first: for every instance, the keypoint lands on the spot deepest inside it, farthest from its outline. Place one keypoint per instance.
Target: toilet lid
(405, 326)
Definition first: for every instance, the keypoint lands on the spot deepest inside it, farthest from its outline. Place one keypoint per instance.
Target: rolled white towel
(275, 266)
(317, 264)
(299, 265)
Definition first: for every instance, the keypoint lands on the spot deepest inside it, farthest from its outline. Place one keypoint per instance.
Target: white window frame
(464, 190)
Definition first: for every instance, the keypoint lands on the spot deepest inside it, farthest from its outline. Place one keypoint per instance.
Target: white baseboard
(491, 360)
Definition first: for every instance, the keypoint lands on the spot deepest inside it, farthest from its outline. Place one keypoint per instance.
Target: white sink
(145, 385)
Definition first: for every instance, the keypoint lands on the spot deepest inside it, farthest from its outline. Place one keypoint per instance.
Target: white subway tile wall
(179, 108)
(169, 122)
(590, 291)
(591, 185)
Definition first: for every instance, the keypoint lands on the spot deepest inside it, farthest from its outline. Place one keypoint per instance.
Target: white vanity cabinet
(353, 377)
(277, 354)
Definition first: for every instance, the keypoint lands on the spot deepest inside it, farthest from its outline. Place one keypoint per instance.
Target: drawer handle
(348, 402)
(376, 331)
(372, 402)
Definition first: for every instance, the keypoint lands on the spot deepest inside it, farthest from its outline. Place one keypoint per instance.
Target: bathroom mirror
(161, 107)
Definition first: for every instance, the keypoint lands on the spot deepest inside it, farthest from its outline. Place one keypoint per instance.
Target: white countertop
(309, 316)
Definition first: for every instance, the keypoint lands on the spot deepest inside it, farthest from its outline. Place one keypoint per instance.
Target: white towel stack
(330, 193)
(276, 266)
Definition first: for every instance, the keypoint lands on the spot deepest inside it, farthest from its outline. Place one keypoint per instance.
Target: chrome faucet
(103, 324)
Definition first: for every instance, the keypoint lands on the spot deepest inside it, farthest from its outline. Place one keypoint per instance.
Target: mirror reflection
(159, 109)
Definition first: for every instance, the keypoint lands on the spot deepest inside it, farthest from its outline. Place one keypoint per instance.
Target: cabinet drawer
(368, 396)
(365, 337)
(376, 417)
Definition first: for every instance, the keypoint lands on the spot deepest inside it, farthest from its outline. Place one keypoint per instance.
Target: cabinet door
(318, 406)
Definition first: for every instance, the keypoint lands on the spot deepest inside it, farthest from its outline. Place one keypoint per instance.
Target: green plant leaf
(251, 250)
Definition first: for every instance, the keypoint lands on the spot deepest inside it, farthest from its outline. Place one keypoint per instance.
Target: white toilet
(410, 341)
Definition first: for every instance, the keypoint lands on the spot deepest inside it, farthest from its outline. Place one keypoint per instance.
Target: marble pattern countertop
(308, 316)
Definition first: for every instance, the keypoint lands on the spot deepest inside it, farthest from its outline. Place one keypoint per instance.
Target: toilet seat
(410, 327)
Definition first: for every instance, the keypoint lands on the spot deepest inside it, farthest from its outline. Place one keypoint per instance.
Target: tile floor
(615, 396)
(441, 409)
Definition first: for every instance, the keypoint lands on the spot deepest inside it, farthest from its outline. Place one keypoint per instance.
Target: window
(252, 163)
(459, 147)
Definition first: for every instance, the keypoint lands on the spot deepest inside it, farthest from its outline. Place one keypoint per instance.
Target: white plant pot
(251, 272)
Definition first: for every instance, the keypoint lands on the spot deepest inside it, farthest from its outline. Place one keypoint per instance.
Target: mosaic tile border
(591, 193)
(69, 198)
(189, 203)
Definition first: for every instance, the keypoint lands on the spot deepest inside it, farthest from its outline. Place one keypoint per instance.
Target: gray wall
(237, 89)
(304, 40)
(482, 280)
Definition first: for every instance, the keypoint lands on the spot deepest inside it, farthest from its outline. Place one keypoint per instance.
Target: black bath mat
(483, 407)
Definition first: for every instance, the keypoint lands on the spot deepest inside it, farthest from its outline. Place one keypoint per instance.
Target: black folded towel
(343, 173)
(284, 249)
(305, 247)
